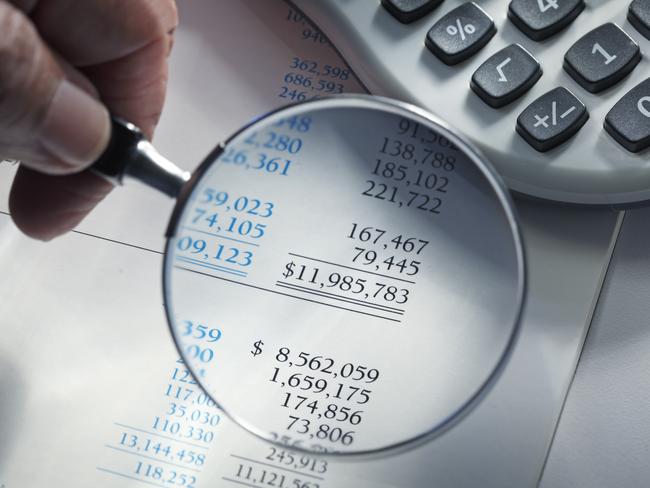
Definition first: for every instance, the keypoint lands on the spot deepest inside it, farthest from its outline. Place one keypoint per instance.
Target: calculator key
(602, 58)
(506, 76)
(629, 120)
(539, 19)
(407, 11)
(639, 16)
(552, 119)
(460, 33)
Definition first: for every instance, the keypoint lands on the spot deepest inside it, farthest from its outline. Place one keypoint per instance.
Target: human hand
(64, 64)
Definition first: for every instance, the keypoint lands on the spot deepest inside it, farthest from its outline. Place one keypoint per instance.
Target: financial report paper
(93, 392)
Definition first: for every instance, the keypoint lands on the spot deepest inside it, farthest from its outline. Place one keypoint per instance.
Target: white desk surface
(603, 437)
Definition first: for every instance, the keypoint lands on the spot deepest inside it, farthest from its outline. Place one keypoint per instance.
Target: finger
(127, 62)
(25, 5)
(123, 51)
(46, 206)
(75, 76)
(110, 29)
(134, 86)
(45, 120)
(62, 202)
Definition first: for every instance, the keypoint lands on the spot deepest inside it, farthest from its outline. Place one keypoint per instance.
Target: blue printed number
(299, 124)
(275, 141)
(233, 255)
(251, 206)
(272, 165)
(204, 355)
(228, 254)
(194, 246)
(198, 331)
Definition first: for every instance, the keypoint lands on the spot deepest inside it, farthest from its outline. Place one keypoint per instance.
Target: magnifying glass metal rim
(507, 204)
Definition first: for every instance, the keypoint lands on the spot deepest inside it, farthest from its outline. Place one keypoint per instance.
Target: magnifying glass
(341, 276)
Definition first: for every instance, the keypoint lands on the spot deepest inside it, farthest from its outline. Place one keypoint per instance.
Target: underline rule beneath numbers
(285, 294)
(198, 446)
(221, 236)
(350, 267)
(334, 296)
(116, 473)
(239, 482)
(215, 267)
(152, 458)
(278, 467)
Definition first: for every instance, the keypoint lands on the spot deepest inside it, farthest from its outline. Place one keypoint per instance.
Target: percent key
(460, 34)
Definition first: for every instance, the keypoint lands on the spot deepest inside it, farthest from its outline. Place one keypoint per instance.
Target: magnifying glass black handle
(130, 154)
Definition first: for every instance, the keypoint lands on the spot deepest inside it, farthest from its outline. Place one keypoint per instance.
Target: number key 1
(602, 57)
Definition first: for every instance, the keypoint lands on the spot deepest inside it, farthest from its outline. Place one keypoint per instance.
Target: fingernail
(76, 128)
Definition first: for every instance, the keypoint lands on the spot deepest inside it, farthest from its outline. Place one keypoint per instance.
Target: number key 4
(602, 58)
(539, 19)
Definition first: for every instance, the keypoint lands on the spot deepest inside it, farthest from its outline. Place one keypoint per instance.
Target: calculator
(556, 93)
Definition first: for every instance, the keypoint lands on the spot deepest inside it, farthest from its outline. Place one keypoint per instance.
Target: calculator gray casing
(391, 59)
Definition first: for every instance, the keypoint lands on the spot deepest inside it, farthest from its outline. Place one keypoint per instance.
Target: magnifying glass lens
(345, 276)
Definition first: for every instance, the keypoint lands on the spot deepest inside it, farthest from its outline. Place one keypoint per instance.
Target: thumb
(47, 121)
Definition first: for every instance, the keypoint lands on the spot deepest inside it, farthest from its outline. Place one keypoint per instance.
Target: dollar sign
(288, 269)
(257, 348)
